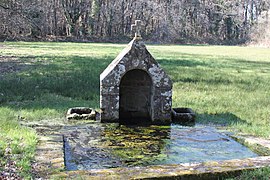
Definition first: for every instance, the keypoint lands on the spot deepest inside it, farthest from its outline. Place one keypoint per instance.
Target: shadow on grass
(59, 82)
(74, 77)
(210, 61)
(55, 82)
(212, 70)
(253, 63)
(186, 61)
(223, 119)
(12, 64)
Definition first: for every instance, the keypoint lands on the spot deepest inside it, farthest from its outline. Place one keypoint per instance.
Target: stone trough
(81, 113)
(183, 116)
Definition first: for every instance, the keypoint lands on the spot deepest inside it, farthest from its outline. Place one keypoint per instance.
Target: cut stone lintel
(207, 170)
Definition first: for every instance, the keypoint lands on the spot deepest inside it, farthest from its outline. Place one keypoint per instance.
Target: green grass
(17, 144)
(224, 85)
(260, 174)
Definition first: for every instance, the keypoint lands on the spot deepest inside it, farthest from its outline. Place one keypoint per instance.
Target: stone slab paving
(256, 140)
(205, 170)
(49, 153)
(94, 146)
(260, 145)
(50, 162)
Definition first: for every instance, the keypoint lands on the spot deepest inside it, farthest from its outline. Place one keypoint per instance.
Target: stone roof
(136, 56)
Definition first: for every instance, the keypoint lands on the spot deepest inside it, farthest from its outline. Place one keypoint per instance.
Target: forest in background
(168, 21)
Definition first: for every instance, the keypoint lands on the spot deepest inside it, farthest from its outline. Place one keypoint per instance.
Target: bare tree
(180, 21)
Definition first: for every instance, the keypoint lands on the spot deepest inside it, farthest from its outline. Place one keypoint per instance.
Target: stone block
(81, 113)
(183, 115)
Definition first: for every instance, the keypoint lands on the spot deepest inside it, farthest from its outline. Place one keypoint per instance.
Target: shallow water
(98, 146)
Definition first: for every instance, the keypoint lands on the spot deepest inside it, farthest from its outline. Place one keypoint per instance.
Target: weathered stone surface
(207, 170)
(257, 140)
(260, 145)
(78, 113)
(50, 160)
(183, 115)
(49, 156)
(114, 146)
(149, 85)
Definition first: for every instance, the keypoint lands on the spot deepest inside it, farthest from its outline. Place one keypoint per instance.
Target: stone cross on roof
(137, 28)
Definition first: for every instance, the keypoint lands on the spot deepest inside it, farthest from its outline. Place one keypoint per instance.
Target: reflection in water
(96, 146)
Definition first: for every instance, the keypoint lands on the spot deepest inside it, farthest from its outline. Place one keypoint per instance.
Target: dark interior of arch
(135, 98)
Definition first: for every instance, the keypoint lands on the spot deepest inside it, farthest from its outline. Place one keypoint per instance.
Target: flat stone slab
(256, 140)
(206, 170)
(50, 158)
(259, 144)
(110, 146)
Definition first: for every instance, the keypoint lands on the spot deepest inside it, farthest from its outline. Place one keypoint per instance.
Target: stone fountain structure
(134, 88)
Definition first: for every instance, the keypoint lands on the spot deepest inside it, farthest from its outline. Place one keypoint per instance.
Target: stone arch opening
(135, 104)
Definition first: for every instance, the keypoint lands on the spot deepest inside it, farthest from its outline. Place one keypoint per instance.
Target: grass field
(224, 85)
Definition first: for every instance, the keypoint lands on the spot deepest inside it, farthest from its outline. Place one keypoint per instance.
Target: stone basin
(183, 116)
(81, 113)
(113, 151)
(112, 145)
